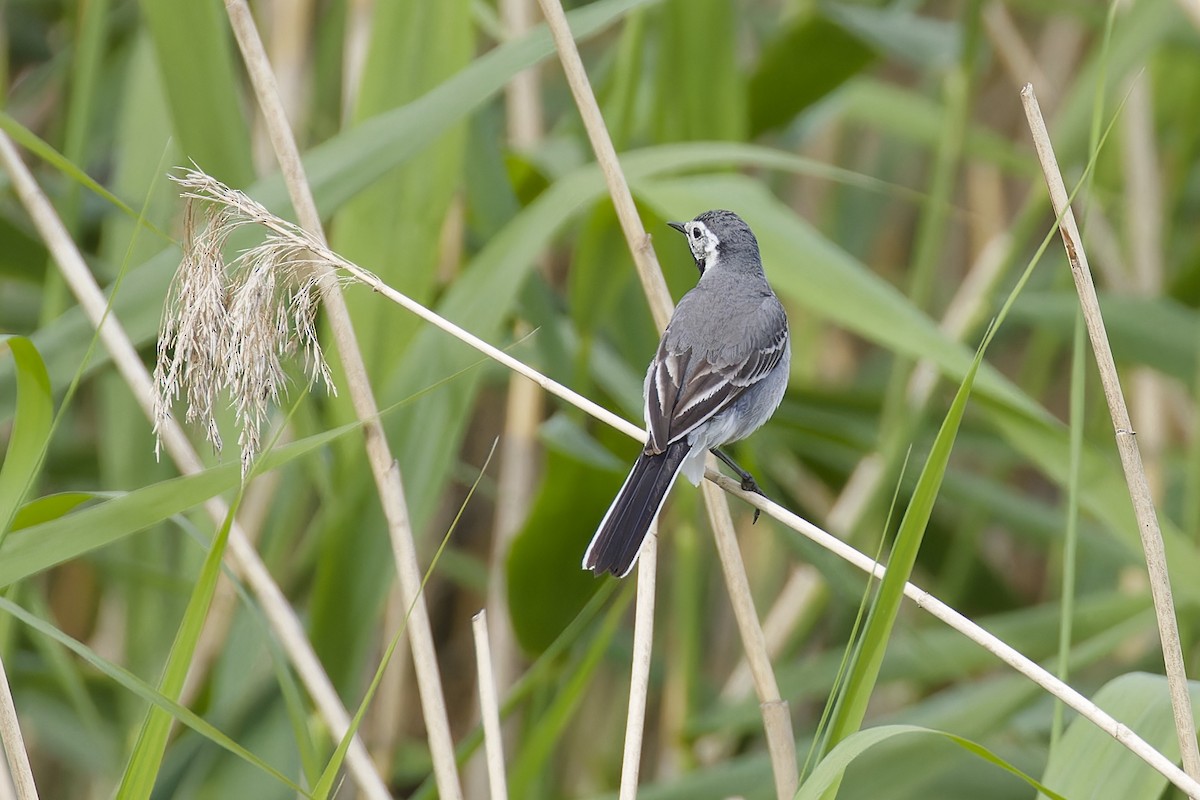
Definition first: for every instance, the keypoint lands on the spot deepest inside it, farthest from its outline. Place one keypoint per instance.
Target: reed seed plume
(229, 326)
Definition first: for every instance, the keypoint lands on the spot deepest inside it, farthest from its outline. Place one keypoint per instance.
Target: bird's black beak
(678, 226)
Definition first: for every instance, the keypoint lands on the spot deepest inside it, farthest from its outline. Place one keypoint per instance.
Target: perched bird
(719, 373)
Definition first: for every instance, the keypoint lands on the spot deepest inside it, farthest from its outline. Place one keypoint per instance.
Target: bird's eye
(695, 233)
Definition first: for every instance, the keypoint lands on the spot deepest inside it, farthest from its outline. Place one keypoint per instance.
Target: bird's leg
(748, 482)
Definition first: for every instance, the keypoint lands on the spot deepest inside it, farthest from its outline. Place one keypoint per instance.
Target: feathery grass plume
(228, 327)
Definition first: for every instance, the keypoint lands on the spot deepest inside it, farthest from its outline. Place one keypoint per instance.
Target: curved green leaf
(829, 771)
(41, 546)
(1087, 762)
(32, 423)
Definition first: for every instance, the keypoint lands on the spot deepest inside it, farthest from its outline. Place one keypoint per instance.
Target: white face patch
(703, 243)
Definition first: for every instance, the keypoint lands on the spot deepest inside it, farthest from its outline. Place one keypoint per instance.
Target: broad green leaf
(1087, 762)
(828, 773)
(396, 223)
(902, 33)
(929, 657)
(805, 62)
(697, 80)
(1169, 345)
(39, 547)
(52, 506)
(196, 60)
(32, 423)
(145, 760)
(546, 585)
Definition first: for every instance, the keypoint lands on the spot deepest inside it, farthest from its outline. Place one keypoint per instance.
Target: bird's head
(719, 236)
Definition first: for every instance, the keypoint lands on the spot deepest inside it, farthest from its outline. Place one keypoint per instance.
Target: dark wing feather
(686, 387)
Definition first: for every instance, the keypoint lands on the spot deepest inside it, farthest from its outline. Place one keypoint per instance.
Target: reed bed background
(304, 621)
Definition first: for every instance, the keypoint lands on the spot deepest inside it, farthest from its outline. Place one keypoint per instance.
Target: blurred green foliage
(859, 139)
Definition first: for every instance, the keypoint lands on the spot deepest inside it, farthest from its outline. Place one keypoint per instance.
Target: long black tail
(618, 541)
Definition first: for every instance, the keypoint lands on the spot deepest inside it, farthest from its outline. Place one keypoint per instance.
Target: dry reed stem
(804, 586)
(384, 467)
(644, 257)
(14, 744)
(1192, 9)
(382, 732)
(1144, 225)
(7, 790)
(924, 600)
(783, 753)
(1131, 460)
(1015, 55)
(639, 679)
(777, 722)
(241, 553)
(489, 709)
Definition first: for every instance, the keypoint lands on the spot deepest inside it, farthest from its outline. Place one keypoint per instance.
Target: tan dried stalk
(1127, 447)
(639, 678)
(14, 744)
(384, 468)
(489, 708)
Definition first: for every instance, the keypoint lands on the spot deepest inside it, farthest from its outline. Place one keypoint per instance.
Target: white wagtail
(719, 373)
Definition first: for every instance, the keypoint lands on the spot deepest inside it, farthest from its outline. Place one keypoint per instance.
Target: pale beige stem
(1016, 57)
(777, 722)
(782, 750)
(1144, 225)
(489, 709)
(792, 604)
(242, 554)
(644, 257)
(639, 680)
(383, 730)
(355, 45)
(1192, 9)
(1131, 460)
(383, 466)
(7, 790)
(14, 744)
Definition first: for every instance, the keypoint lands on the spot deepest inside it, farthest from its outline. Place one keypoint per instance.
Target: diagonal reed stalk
(384, 467)
(777, 722)
(207, 188)
(17, 757)
(1127, 447)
